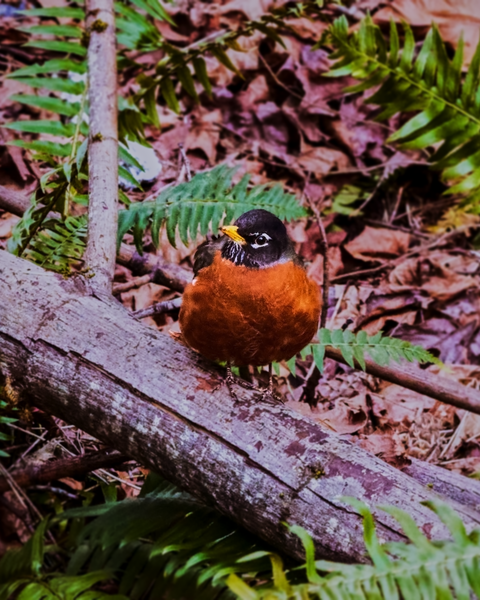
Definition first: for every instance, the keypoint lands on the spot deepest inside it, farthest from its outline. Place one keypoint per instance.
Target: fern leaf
(418, 570)
(429, 82)
(186, 549)
(55, 65)
(60, 244)
(381, 349)
(202, 204)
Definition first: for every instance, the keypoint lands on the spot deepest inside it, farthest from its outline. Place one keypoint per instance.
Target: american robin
(251, 301)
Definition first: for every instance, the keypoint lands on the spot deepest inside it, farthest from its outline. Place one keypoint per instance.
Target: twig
(22, 497)
(158, 308)
(119, 288)
(370, 197)
(169, 275)
(57, 469)
(185, 164)
(103, 145)
(371, 168)
(393, 263)
(324, 250)
(397, 204)
(414, 232)
(418, 380)
(277, 80)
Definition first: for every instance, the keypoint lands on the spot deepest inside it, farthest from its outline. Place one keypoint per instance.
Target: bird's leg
(269, 391)
(229, 380)
(266, 393)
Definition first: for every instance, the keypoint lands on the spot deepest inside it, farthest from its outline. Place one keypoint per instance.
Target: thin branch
(12, 201)
(158, 308)
(120, 288)
(103, 145)
(169, 275)
(277, 80)
(416, 379)
(324, 250)
(393, 263)
(186, 167)
(62, 467)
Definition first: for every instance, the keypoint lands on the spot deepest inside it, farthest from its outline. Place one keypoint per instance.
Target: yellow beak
(232, 232)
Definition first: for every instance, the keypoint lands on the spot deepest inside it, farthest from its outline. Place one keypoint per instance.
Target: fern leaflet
(202, 204)
(428, 83)
(382, 349)
(421, 569)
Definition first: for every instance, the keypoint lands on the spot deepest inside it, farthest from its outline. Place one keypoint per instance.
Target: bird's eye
(262, 240)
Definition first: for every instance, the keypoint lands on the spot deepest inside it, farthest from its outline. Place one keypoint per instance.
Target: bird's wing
(206, 253)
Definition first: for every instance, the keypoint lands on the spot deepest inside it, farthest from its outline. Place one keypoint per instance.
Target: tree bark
(455, 486)
(63, 467)
(87, 361)
(102, 145)
(12, 201)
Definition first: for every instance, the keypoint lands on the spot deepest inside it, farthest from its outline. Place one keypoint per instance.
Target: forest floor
(401, 260)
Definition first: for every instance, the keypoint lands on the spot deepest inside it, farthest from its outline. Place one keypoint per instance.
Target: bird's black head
(258, 239)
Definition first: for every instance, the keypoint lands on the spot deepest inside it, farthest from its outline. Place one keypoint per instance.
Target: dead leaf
(204, 132)
(10, 87)
(437, 276)
(347, 417)
(335, 265)
(7, 223)
(72, 483)
(388, 446)
(468, 429)
(319, 160)
(378, 244)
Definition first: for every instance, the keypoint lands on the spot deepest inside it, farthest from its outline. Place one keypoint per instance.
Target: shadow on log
(90, 363)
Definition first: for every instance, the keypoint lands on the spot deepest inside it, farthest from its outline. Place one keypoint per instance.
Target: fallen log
(87, 361)
(176, 278)
(453, 485)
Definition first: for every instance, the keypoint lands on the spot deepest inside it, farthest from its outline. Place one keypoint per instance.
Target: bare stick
(324, 249)
(63, 467)
(119, 288)
(167, 274)
(413, 378)
(103, 145)
(308, 394)
(12, 201)
(158, 308)
(185, 163)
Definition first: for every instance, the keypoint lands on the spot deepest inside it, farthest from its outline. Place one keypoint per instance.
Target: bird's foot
(230, 379)
(269, 395)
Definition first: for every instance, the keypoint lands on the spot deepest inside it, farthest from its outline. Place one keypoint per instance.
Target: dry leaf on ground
(378, 244)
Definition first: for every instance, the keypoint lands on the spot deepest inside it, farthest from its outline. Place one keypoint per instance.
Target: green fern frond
(420, 569)
(4, 420)
(382, 349)
(164, 543)
(59, 245)
(202, 204)
(427, 82)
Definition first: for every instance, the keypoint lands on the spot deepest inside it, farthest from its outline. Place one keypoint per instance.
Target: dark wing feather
(206, 253)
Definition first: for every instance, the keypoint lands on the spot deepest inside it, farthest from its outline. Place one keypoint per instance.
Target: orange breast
(248, 316)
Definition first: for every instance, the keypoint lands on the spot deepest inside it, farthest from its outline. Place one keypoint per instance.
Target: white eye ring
(265, 237)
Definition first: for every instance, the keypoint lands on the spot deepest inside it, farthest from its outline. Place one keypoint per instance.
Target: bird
(251, 301)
